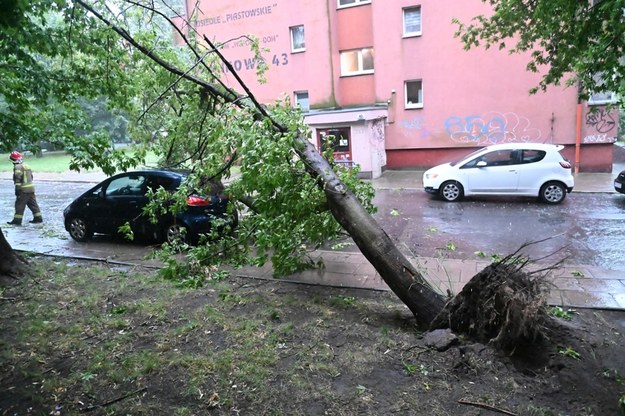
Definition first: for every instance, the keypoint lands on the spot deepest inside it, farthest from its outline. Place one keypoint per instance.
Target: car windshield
(470, 155)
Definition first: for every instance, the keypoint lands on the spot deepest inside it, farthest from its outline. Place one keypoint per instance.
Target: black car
(120, 199)
(619, 182)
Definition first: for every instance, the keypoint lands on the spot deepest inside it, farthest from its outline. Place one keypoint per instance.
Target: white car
(516, 169)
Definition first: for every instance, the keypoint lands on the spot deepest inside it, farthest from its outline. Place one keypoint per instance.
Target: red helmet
(15, 156)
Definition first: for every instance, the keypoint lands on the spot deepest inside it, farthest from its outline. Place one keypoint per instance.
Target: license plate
(617, 185)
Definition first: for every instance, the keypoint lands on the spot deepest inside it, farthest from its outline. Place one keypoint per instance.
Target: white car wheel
(451, 191)
(552, 193)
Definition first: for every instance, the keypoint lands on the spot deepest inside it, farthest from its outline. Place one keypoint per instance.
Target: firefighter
(24, 191)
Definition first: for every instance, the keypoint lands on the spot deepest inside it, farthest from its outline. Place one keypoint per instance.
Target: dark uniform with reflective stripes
(25, 194)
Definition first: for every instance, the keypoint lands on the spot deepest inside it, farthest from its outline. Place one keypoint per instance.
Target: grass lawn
(57, 162)
(97, 338)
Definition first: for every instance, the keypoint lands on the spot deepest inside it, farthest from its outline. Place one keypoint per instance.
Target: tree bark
(12, 265)
(394, 268)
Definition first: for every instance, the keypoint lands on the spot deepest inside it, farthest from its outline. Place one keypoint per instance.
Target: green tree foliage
(579, 41)
(178, 109)
(54, 57)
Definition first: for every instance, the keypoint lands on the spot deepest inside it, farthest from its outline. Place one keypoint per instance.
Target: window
(599, 98)
(412, 21)
(348, 3)
(358, 61)
(301, 100)
(298, 43)
(414, 94)
(532, 156)
(339, 142)
(602, 98)
(126, 185)
(495, 158)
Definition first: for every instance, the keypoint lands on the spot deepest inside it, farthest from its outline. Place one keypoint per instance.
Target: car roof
(155, 172)
(522, 146)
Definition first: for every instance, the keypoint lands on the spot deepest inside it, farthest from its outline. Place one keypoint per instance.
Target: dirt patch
(90, 338)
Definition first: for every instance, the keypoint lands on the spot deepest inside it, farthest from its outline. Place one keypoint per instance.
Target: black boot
(37, 220)
(14, 222)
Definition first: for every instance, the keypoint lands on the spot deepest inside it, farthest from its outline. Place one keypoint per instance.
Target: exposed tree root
(504, 305)
(12, 265)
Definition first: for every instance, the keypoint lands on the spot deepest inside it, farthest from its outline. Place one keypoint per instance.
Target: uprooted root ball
(504, 304)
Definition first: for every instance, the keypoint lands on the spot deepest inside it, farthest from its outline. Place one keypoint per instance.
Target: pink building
(390, 81)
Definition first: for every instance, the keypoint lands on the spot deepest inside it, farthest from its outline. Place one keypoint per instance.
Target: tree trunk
(396, 270)
(12, 265)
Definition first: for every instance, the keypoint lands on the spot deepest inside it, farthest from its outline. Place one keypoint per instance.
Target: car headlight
(431, 175)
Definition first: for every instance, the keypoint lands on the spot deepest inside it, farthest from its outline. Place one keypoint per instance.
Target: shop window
(298, 43)
(338, 138)
(414, 94)
(412, 21)
(357, 62)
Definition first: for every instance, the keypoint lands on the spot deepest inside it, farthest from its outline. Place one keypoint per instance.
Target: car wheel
(552, 193)
(79, 230)
(451, 191)
(175, 233)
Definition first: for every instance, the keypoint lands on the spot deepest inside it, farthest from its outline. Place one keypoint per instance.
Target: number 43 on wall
(277, 61)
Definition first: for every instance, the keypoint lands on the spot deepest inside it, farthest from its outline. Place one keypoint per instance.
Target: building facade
(388, 79)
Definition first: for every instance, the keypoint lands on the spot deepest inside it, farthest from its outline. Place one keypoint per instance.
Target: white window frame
(360, 70)
(340, 4)
(407, 10)
(292, 32)
(298, 101)
(601, 98)
(419, 103)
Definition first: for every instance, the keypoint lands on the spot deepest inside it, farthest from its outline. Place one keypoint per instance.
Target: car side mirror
(481, 164)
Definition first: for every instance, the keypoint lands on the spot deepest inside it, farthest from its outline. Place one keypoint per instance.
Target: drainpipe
(578, 136)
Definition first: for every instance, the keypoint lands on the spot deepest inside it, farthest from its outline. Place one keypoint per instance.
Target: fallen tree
(396, 270)
(299, 199)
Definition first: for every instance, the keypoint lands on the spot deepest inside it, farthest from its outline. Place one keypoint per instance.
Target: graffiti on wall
(416, 123)
(376, 139)
(598, 138)
(600, 120)
(491, 128)
(600, 126)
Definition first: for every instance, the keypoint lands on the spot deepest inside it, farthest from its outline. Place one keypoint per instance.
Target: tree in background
(579, 42)
(53, 60)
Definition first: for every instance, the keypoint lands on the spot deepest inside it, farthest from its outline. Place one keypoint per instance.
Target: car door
(495, 172)
(93, 208)
(533, 172)
(124, 199)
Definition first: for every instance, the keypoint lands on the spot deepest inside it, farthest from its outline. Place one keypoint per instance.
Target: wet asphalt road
(589, 228)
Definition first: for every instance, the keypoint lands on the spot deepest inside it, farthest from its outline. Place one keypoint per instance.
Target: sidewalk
(574, 286)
